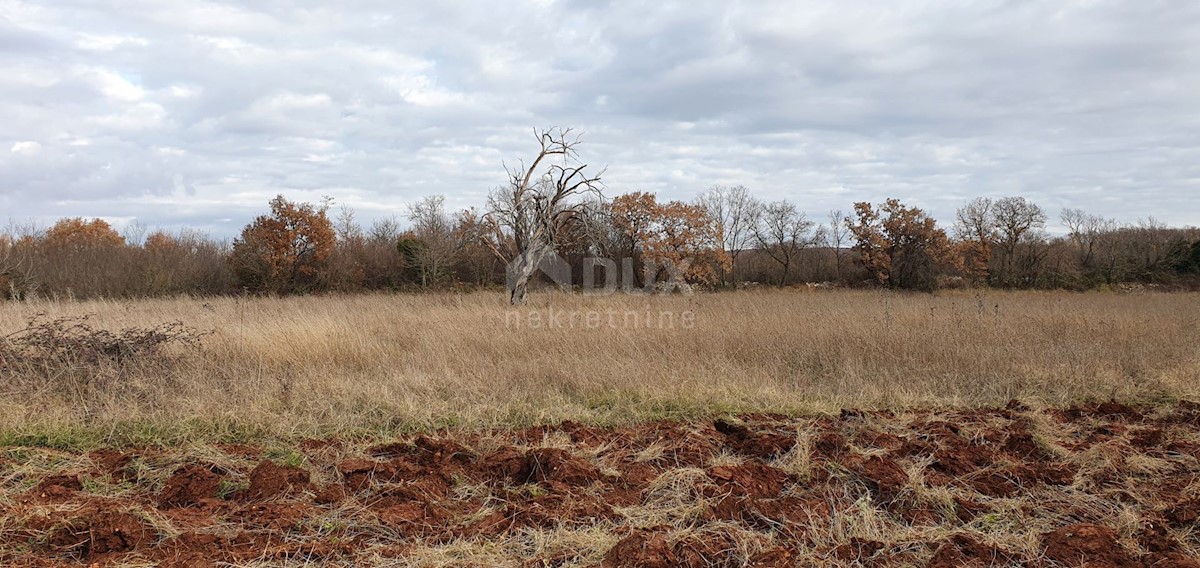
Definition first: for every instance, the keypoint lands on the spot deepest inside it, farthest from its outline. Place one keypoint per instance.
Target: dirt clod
(189, 485)
(57, 487)
(963, 550)
(1086, 545)
(95, 531)
(744, 441)
(544, 464)
(642, 549)
(270, 480)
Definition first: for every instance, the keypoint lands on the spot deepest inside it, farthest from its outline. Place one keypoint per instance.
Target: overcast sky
(192, 113)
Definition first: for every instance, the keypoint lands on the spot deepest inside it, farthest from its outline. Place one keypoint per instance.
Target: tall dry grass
(377, 364)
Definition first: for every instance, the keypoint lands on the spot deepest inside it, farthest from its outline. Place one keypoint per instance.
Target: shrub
(68, 352)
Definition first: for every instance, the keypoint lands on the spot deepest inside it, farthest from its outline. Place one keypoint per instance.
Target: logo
(600, 275)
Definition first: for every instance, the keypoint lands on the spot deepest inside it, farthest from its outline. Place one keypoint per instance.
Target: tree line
(725, 238)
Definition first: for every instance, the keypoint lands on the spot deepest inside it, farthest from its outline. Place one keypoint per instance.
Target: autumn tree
(782, 232)
(687, 235)
(599, 231)
(363, 259)
(526, 218)
(901, 246)
(1151, 243)
(285, 251)
(675, 238)
(632, 217)
(76, 234)
(81, 258)
(1095, 246)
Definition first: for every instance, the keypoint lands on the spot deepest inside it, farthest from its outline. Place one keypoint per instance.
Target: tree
(375, 254)
(975, 228)
(346, 268)
(1017, 222)
(632, 217)
(1095, 242)
(181, 263)
(732, 208)
(76, 234)
(687, 235)
(836, 235)
(526, 218)
(1184, 257)
(411, 248)
(83, 258)
(476, 262)
(900, 246)
(384, 231)
(15, 269)
(434, 230)
(285, 251)
(599, 230)
(1084, 230)
(1151, 243)
(782, 232)
(674, 237)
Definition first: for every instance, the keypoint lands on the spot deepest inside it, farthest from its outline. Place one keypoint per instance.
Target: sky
(171, 113)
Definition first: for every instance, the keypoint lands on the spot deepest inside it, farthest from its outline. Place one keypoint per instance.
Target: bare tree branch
(526, 219)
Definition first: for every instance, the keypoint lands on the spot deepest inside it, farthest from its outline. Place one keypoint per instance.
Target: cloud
(179, 112)
(96, 42)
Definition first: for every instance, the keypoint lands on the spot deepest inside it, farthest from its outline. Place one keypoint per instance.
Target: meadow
(771, 428)
(379, 365)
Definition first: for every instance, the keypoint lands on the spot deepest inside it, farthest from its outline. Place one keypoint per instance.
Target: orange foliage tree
(672, 236)
(79, 258)
(78, 234)
(901, 246)
(284, 252)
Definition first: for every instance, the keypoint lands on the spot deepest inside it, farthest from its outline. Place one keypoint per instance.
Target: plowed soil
(1095, 485)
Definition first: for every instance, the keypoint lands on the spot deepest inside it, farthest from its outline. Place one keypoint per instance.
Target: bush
(69, 352)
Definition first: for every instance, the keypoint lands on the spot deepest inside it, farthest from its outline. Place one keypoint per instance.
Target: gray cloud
(175, 112)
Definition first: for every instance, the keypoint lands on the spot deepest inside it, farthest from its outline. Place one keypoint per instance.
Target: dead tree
(527, 218)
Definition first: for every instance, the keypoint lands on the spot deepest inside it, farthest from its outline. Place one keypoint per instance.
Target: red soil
(432, 490)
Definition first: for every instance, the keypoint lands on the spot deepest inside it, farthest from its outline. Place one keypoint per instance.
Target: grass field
(760, 428)
(382, 364)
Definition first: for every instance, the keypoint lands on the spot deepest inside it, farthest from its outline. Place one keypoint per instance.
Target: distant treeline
(724, 239)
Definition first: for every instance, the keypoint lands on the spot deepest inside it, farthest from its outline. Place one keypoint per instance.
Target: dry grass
(381, 364)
